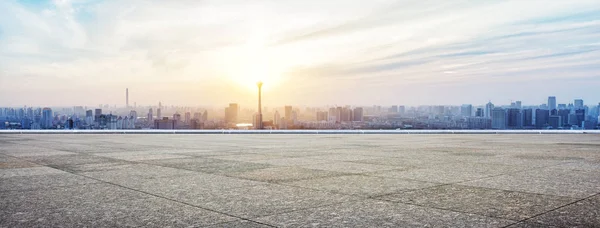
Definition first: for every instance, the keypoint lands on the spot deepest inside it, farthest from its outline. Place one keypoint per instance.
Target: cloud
(348, 51)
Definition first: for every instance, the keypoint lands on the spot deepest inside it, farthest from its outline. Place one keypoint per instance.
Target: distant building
(541, 118)
(552, 103)
(231, 113)
(47, 118)
(514, 118)
(580, 115)
(466, 110)
(555, 122)
(188, 117)
(479, 112)
(479, 123)
(393, 109)
(164, 123)
(358, 114)
(150, 115)
(564, 116)
(276, 119)
(401, 109)
(488, 109)
(159, 113)
(322, 116)
(519, 105)
(498, 118)
(578, 104)
(288, 113)
(527, 117)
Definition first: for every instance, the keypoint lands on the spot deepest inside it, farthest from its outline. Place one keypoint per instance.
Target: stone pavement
(300, 180)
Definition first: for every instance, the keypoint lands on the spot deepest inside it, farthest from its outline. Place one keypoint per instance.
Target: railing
(299, 131)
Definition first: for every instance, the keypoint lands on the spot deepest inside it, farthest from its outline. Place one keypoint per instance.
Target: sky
(309, 52)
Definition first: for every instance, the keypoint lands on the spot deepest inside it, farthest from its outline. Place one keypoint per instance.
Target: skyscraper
(479, 112)
(358, 114)
(47, 118)
(288, 113)
(150, 115)
(580, 113)
(519, 105)
(231, 113)
(276, 118)
(498, 118)
(127, 97)
(555, 122)
(158, 113)
(552, 103)
(466, 110)
(527, 117)
(541, 118)
(488, 110)
(322, 116)
(514, 118)
(578, 104)
(259, 120)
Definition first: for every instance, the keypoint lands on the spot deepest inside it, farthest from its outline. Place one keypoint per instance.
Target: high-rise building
(578, 104)
(488, 110)
(358, 114)
(401, 109)
(276, 118)
(555, 122)
(527, 117)
(127, 97)
(514, 118)
(564, 116)
(393, 109)
(150, 115)
(541, 118)
(188, 117)
(552, 103)
(580, 113)
(519, 105)
(498, 118)
(97, 113)
(47, 118)
(288, 113)
(466, 110)
(133, 116)
(158, 113)
(231, 113)
(479, 112)
(322, 116)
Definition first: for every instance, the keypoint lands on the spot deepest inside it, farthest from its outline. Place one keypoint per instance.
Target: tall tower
(259, 120)
(551, 103)
(127, 97)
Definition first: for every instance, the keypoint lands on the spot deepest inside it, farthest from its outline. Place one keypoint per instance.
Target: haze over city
(84, 52)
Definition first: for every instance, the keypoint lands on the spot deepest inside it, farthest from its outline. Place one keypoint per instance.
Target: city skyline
(68, 52)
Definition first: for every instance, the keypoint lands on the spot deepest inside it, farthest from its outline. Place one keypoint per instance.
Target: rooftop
(286, 180)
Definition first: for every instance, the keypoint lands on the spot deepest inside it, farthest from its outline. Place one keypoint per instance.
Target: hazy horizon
(311, 53)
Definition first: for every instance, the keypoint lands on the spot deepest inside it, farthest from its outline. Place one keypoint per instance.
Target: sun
(254, 67)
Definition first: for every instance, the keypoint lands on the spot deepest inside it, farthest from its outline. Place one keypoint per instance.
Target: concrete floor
(300, 180)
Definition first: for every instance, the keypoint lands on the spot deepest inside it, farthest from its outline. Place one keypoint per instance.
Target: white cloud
(335, 47)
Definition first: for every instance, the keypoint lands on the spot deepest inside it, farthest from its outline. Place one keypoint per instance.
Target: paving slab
(349, 167)
(366, 186)
(489, 202)
(450, 172)
(585, 213)
(369, 213)
(299, 180)
(550, 181)
(259, 200)
(209, 165)
(284, 174)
